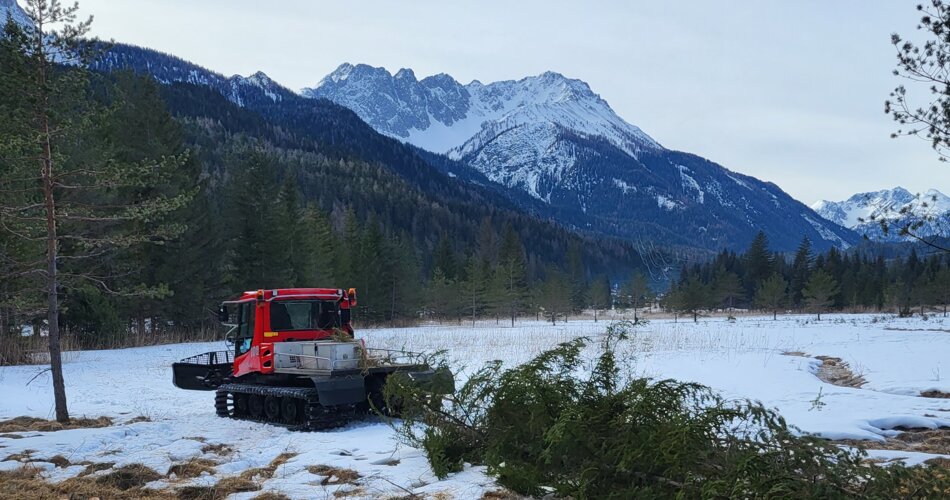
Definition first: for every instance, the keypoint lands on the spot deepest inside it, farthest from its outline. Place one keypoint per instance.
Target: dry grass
(936, 441)
(92, 468)
(501, 494)
(334, 475)
(935, 394)
(128, 477)
(26, 483)
(268, 472)
(270, 495)
(837, 372)
(192, 468)
(223, 489)
(219, 449)
(249, 480)
(28, 424)
(352, 492)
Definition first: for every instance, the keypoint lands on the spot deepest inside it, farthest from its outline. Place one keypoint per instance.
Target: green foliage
(772, 294)
(819, 291)
(552, 425)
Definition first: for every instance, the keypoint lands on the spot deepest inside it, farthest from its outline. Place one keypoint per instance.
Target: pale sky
(790, 92)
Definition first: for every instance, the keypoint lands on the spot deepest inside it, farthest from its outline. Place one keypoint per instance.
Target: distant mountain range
(897, 207)
(553, 139)
(547, 144)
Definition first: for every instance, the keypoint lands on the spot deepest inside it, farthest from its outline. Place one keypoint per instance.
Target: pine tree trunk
(52, 282)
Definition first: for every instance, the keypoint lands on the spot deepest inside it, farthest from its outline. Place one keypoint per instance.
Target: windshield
(287, 315)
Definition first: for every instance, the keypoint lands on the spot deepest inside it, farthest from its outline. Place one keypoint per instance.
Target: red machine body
(265, 317)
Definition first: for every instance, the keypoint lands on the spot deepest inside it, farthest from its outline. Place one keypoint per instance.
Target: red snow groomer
(294, 361)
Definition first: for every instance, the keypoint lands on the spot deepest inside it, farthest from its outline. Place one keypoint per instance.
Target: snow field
(751, 358)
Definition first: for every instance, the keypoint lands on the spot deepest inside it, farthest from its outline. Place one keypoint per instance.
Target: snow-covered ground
(748, 358)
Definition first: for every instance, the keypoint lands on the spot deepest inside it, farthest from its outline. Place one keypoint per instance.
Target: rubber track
(316, 416)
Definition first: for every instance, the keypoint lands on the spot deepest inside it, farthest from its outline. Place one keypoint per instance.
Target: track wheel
(290, 410)
(240, 405)
(272, 407)
(255, 406)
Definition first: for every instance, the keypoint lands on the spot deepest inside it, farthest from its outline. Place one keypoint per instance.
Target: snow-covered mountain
(170, 69)
(898, 207)
(553, 139)
(9, 8)
(547, 143)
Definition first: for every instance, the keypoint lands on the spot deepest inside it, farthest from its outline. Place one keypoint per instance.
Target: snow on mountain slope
(899, 207)
(441, 115)
(9, 8)
(166, 69)
(551, 138)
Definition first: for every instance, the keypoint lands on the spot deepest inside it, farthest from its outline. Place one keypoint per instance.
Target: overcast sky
(787, 91)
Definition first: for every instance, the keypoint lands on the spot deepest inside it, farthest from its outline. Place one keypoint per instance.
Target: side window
(245, 328)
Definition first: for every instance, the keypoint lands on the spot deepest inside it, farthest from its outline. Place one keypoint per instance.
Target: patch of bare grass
(192, 468)
(501, 494)
(27, 424)
(270, 495)
(92, 468)
(268, 471)
(935, 394)
(128, 477)
(936, 441)
(26, 483)
(837, 372)
(219, 449)
(334, 475)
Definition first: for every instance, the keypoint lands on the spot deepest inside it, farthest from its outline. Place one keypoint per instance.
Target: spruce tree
(801, 269)
(772, 294)
(599, 294)
(758, 262)
(555, 295)
(510, 274)
(820, 291)
(636, 291)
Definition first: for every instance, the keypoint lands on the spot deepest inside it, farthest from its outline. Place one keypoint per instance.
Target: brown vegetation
(334, 475)
(28, 424)
(836, 372)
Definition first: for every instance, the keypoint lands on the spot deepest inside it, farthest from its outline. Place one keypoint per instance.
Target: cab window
(245, 331)
(287, 315)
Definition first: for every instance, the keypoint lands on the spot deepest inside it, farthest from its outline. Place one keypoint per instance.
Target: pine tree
(727, 287)
(692, 297)
(772, 294)
(576, 277)
(60, 185)
(941, 286)
(801, 269)
(636, 291)
(474, 287)
(820, 291)
(444, 258)
(758, 262)
(599, 294)
(510, 274)
(555, 295)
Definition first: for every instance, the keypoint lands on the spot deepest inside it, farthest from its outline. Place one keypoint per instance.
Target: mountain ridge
(897, 207)
(552, 139)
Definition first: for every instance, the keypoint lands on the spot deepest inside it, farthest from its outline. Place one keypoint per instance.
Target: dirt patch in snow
(837, 372)
(192, 468)
(270, 495)
(27, 424)
(27, 483)
(219, 449)
(936, 441)
(334, 475)
(935, 394)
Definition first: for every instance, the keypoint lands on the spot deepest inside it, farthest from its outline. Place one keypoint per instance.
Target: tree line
(831, 281)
